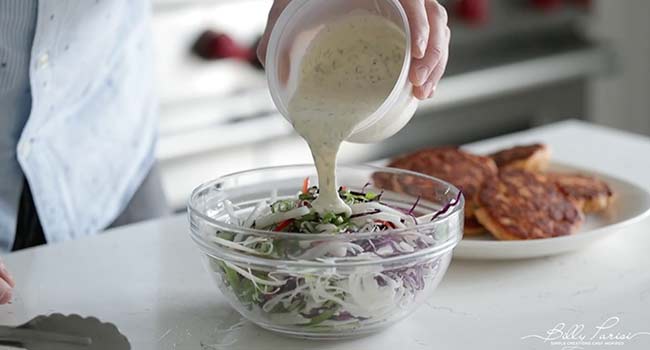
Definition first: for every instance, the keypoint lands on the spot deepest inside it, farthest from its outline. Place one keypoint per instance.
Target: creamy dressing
(349, 69)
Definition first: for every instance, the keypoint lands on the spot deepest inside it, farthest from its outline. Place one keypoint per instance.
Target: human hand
(430, 37)
(6, 284)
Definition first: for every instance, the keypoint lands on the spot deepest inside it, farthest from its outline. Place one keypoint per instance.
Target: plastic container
(300, 22)
(398, 282)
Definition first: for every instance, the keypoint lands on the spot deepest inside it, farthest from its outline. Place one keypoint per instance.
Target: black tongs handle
(16, 337)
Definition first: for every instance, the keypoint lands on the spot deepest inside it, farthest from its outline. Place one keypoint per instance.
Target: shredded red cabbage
(451, 204)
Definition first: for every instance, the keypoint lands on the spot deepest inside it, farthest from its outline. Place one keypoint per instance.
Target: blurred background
(515, 64)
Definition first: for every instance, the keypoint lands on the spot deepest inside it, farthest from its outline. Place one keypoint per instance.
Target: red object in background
(547, 5)
(475, 12)
(212, 45)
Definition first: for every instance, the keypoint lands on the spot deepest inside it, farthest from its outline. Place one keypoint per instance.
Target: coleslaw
(338, 298)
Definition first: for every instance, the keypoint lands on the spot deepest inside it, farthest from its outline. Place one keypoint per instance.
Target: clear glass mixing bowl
(326, 298)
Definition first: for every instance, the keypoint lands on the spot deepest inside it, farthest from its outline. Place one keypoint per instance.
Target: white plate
(631, 204)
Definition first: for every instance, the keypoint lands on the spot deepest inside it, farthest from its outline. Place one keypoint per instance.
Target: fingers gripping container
(290, 39)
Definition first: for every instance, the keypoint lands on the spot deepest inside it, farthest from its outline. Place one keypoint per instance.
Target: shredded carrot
(386, 223)
(281, 226)
(305, 185)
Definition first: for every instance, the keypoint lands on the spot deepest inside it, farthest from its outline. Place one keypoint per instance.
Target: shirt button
(43, 61)
(25, 148)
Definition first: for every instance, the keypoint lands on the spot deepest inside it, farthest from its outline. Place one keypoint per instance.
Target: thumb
(5, 275)
(5, 292)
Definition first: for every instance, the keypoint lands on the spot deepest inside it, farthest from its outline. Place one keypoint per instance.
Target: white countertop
(149, 281)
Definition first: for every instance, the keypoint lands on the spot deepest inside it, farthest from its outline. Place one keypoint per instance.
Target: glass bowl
(366, 282)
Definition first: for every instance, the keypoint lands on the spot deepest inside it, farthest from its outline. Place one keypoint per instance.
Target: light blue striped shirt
(77, 111)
